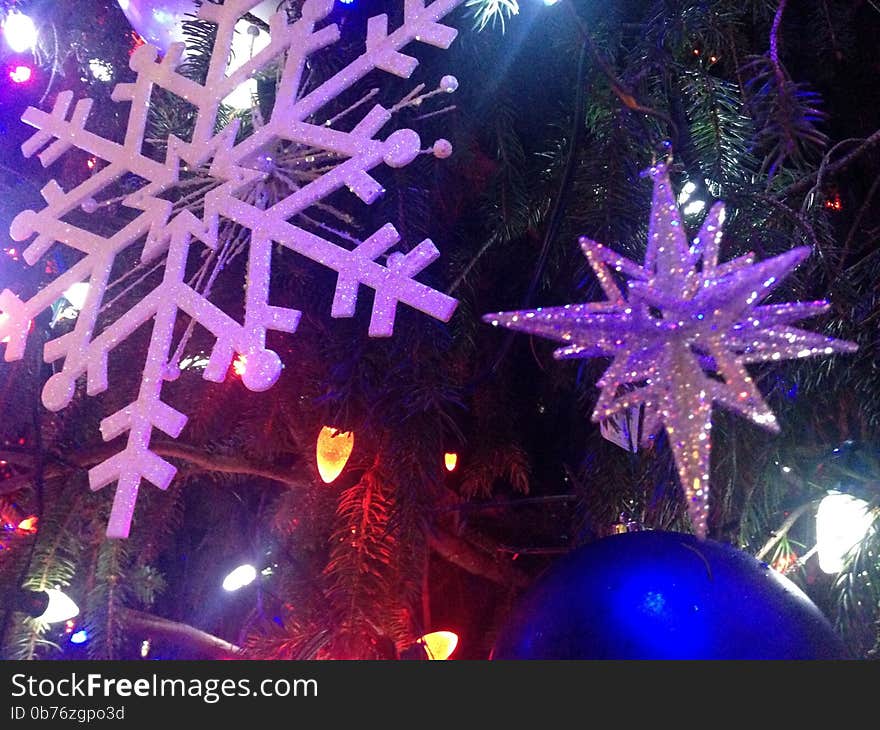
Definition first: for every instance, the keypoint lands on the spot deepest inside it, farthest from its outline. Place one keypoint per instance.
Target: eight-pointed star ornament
(680, 333)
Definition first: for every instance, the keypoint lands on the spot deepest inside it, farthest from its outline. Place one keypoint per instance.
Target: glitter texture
(680, 333)
(339, 159)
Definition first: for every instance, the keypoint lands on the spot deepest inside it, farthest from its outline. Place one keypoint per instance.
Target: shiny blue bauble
(665, 595)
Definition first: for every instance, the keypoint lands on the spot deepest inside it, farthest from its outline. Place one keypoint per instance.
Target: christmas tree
(385, 489)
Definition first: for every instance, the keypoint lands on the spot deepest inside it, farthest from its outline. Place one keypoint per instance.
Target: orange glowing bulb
(439, 644)
(450, 459)
(28, 524)
(239, 365)
(334, 448)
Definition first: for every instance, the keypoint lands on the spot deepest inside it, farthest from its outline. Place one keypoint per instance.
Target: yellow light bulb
(440, 644)
(450, 459)
(333, 449)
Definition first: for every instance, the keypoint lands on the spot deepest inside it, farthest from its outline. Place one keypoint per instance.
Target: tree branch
(458, 551)
(804, 184)
(471, 559)
(193, 455)
(207, 645)
(783, 529)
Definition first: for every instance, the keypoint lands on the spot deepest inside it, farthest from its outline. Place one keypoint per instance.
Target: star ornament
(680, 329)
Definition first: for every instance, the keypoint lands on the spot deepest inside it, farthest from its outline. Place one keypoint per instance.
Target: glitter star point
(680, 332)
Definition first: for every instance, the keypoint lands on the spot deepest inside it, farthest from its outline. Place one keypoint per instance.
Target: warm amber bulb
(451, 460)
(334, 448)
(239, 365)
(439, 644)
(28, 524)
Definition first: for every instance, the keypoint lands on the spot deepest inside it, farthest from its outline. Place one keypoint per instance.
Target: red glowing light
(136, 42)
(834, 203)
(21, 74)
(28, 524)
(785, 562)
(239, 365)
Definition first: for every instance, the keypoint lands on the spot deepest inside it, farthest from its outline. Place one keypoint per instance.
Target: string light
(439, 645)
(59, 608)
(694, 207)
(834, 203)
(76, 294)
(20, 32)
(239, 365)
(21, 74)
(332, 452)
(242, 576)
(28, 524)
(80, 637)
(247, 42)
(842, 521)
(101, 70)
(450, 460)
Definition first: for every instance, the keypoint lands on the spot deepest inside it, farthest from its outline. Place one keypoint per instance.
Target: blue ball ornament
(665, 595)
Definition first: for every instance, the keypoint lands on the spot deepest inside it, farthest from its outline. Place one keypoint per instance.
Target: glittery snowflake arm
(163, 229)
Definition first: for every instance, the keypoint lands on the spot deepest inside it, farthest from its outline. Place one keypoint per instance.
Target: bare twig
(783, 529)
(205, 644)
(474, 560)
(807, 182)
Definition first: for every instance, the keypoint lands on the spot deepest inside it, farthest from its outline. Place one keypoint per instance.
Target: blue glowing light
(80, 637)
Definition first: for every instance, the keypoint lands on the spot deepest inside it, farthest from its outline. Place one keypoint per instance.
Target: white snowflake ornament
(335, 158)
(680, 334)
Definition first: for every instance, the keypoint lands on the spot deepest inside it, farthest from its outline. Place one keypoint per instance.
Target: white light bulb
(243, 96)
(60, 608)
(247, 41)
(548, 3)
(242, 576)
(76, 294)
(841, 522)
(694, 207)
(101, 70)
(20, 32)
(687, 190)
